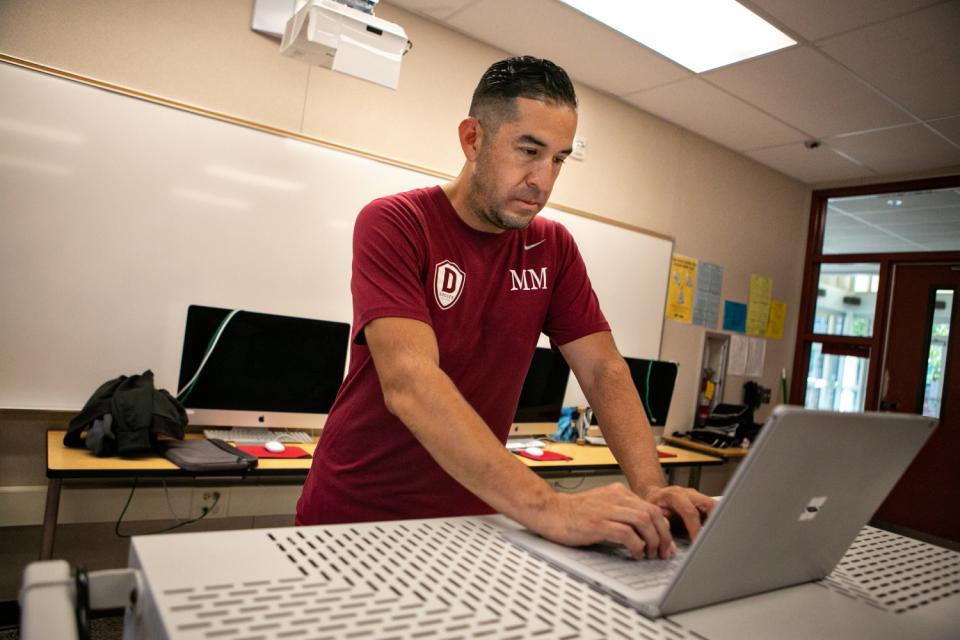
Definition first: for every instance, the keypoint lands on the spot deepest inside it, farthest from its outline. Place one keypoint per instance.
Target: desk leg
(50, 514)
(693, 481)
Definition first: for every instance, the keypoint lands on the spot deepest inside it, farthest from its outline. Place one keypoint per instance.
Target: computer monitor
(541, 397)
(260, 370)
(654, 380)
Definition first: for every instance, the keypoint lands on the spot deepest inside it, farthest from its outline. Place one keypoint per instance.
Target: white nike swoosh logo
(527, 247)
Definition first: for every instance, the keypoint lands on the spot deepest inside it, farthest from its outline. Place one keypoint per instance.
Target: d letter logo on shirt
(448, 284)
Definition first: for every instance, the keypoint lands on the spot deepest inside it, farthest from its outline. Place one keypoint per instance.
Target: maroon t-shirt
(487, 297)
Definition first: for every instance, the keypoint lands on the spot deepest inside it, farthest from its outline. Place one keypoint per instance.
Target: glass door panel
(837, 378)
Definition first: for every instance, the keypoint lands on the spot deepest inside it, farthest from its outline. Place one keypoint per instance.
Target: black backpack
(125, 416)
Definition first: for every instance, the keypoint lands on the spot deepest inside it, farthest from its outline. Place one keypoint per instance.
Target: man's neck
(457, 192)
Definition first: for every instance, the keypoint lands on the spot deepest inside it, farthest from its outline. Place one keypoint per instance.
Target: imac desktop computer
(246, 369)
(544, 390)
(654, 380)
(541, 397)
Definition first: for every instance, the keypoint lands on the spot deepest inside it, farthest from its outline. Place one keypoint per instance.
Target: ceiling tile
(902, 49)
(590, 52)
(804, 89)
(914, 59)
(732, 122)
(899, 149)
(809, 165)
(437, 9)
(950, 127)
(815, 19)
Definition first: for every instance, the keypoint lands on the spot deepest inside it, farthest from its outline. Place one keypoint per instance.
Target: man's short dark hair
(519, 77)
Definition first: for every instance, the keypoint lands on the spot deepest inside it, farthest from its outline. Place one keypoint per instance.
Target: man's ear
(471, 137)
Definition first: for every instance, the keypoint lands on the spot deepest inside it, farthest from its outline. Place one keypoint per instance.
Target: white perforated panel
(435, 579)
(442, 579)
(895, 573)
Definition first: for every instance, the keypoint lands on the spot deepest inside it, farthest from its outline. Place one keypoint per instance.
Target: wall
(719, 206)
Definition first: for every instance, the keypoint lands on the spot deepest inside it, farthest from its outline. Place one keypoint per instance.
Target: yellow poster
(778, 312)
(683, 282)
(758, 307)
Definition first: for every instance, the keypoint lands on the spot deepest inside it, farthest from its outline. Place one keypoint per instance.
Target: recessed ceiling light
(699, 34)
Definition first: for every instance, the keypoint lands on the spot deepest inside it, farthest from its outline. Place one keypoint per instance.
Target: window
(835, 382)
(937, 360)
(846, 299)
(857, 237)
(910, 221)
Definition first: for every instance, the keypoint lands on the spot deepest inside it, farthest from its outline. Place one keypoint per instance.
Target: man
(452, 287)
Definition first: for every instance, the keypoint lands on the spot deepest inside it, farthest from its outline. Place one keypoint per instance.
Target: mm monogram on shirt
(528, 279)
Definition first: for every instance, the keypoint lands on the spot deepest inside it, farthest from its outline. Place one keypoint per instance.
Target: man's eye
(529, 151)
(559, 160)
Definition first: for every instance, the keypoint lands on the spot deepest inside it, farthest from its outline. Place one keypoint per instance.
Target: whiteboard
(117, 213)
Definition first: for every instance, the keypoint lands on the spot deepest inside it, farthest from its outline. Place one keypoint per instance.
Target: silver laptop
(811, 481)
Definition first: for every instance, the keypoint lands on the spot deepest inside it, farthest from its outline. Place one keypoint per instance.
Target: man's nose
(542, 176)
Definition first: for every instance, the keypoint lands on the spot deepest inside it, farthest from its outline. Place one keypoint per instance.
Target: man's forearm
(614, 399)
(464, 446)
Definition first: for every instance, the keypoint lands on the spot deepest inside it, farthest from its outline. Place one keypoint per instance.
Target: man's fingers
(650, 525)
(627, 536)
(700, 507)
(704, 503)
(689, 514)
(690, 505)
(663, 531)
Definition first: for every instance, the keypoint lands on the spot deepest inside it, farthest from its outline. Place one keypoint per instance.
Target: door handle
(885, 405)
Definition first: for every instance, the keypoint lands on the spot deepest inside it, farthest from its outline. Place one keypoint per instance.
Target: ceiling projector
(330, 34)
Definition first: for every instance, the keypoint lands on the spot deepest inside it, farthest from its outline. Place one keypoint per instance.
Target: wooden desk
(65, 463)
(595, 459)
(727, 454)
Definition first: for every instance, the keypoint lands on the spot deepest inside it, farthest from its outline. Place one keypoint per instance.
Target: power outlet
(214, 500)
(579, 149)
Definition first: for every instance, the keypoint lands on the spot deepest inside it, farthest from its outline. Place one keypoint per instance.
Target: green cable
(213, 340)
(647, 403)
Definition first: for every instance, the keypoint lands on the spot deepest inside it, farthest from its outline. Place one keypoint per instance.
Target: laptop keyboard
(615, 562)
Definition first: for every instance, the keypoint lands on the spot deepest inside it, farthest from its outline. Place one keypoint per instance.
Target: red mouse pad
(546, 455)
(261, 452)
(664, 454)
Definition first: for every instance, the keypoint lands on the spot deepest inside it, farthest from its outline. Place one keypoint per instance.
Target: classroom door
(921, 374)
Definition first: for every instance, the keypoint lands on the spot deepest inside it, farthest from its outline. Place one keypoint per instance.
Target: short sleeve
(388, 258)
(574, 310)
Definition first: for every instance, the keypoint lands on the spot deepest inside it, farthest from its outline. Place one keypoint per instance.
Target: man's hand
(608, 514)
(689, 504)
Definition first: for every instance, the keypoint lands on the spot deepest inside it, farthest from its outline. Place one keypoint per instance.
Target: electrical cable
(166, 494)
(204, 513)
(647, 403)
(187, 388)
(559, 485)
